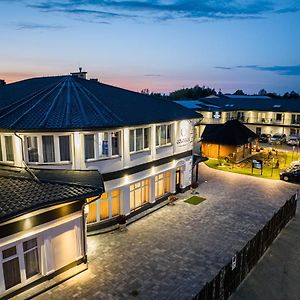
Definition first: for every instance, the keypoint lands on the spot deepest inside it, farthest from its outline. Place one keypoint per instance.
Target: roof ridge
(87, 92)
(32, 107)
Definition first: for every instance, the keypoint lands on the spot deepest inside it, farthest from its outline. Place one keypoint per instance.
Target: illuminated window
(162, 184)
(106, 207)
(139, 139)
(163, 135)
(139, 194)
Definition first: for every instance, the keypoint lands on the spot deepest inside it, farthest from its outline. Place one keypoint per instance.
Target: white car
(293, 140)
(295, 164)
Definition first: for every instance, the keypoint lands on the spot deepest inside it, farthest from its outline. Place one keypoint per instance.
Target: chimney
(2, 82)
(79, 74)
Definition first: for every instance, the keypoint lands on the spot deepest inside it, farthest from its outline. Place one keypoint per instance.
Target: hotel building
(142, 146)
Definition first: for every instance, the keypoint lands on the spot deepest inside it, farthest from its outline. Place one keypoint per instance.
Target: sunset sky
(160, 45)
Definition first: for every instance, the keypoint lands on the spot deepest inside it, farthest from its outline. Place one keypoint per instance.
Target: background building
(261, 114)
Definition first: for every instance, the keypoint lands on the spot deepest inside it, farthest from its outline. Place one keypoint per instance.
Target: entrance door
(178, 180)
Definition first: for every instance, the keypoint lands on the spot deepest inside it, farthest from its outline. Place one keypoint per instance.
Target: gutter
(23, 160)
(84, 231)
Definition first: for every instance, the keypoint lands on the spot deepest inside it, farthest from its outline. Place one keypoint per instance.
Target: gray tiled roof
(230, 133)
(243, 103)
(67, 102)
(20, 193)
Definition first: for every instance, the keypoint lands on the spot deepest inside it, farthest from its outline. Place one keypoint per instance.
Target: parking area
(171, 253)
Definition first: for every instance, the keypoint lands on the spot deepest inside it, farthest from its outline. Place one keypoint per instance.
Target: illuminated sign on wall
(216, 115)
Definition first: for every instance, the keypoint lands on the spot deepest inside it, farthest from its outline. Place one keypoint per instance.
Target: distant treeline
(197, 92)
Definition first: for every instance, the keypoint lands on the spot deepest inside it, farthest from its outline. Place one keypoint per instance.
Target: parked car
(278, 138)
(291, 175)
(295, 164)
(293, 140)
(264, 138)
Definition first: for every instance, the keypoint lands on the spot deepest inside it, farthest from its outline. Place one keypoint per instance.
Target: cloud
(36, 26)
(281, 70)
(164, 10)
(152, 75)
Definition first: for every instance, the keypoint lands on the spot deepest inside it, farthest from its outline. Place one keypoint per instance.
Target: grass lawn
(269, 163)
(195, 200)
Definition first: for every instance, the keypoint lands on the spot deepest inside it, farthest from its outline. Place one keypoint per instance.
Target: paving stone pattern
(171, 253)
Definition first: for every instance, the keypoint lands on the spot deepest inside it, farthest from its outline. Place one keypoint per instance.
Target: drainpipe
(23, 159)
(84, 247)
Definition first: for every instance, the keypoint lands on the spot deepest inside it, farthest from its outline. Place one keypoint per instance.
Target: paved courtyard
(171, 253)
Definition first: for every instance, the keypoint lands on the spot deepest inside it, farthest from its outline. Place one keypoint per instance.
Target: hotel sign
(184, 134)
(216, 115)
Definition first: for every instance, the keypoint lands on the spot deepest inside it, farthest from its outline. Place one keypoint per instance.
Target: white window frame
(20, 254)
(56, 148)
(162, 179)
(96, 145)
(143, 135)
(142, 185)
(3, 148)
(159, 145)
(109, 198)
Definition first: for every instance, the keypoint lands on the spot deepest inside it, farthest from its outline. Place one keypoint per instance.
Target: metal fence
(230, 276)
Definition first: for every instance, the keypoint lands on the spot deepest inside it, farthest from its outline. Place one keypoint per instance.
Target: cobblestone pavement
(171, 253)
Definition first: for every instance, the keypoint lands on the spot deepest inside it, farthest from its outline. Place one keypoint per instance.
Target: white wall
(60, 243)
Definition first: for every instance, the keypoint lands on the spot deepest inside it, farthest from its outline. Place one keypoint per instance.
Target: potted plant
(122, 222)
(172, 199)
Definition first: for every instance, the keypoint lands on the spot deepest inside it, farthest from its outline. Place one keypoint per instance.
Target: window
(139, 194)
(106, 207)
(48, 148)
(64, 148)
(9, 148)
(6, 148)
(163, 135)
(139, 139)
(295, 119)
(108, 144)
(278, 117)
(20, 262)
(32, 149)
(1, 156)
(89, 146)
(115, 143)
(162, 184)
(31, 258)
(11, 267)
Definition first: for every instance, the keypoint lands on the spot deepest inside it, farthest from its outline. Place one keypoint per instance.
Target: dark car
(290, 175)
(264, 138)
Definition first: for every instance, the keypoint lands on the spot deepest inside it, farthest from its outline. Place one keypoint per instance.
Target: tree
(239, 93)
(145, 91)
(194, 93)
(262, 92)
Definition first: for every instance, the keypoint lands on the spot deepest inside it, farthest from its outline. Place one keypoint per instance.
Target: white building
(260, 114)
(141, 145)
(42, 227)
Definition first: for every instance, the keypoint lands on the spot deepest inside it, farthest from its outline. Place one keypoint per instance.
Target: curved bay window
(162, 184)
(107, 207)
(139, 194)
